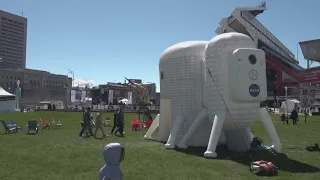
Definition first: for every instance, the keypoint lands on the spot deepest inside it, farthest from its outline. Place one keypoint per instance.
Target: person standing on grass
(120, 118)
(115, 121)
(282, 118)
(86, 122)
(305, 116)
(99, 124)
(294, 116)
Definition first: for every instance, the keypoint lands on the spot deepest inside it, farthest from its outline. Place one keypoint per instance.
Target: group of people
(294, 116)
(118, 122)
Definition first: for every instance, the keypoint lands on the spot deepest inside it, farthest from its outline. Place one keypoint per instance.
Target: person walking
(115, 121)
(120, 118)
(99, 124)
(86, 122)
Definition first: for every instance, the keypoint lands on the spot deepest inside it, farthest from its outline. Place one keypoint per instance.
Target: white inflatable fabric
(211, 94)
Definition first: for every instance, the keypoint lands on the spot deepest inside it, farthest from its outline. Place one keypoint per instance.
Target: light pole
(286, 89)
(71, 72)
(67, 86)
(18, 94)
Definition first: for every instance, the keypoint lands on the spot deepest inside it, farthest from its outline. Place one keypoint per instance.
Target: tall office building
(13, 40)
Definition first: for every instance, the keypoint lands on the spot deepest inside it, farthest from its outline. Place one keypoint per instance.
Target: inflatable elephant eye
(252, 59)
(161, 75)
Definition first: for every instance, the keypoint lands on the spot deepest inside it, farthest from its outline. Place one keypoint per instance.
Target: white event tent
(291, 105)
(7, 101)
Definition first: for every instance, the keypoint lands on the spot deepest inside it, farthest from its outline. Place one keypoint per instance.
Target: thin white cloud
(83, 83)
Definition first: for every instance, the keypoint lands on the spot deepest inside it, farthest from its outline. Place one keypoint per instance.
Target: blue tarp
(262, 147)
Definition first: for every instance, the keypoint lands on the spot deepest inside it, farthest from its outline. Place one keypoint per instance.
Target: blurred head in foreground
(113, 154)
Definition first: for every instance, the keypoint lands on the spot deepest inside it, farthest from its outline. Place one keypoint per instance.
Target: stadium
(284, 74)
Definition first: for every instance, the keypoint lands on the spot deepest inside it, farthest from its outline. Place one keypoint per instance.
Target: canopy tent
(316, 103)
(7, 101)
(291, 105)
(125, 101)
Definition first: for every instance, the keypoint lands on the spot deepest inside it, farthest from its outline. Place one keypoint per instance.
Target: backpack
(256, 142)
(263, 168)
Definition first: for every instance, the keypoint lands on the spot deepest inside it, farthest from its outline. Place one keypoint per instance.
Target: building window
(161, 75)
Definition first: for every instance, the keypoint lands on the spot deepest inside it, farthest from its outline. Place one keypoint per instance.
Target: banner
(73, 96)
(78, 96)
(110, 98)
(83, 96)
(129, 97)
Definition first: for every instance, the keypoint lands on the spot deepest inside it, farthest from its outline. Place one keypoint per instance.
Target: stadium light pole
(71, 72)
(67, 87)
(286, 89)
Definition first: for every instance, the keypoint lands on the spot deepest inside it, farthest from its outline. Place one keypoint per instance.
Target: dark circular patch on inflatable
(254, 90)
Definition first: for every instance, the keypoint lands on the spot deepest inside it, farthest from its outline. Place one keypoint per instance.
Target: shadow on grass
(99, 138)
(8, 133)
(120, 136)
(282, 161)
(32, 133)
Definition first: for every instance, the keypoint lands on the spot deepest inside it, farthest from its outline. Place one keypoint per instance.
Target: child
(113, 154)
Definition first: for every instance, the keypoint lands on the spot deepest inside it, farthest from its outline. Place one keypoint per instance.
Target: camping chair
(56, 124)
(32, 126)
(107, 122)
(45, 124)
(135, 124)
(8, 129)
(147, 124)
(12, 123)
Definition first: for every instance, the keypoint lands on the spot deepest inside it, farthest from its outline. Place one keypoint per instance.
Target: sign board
(139, 81)
(276, 105)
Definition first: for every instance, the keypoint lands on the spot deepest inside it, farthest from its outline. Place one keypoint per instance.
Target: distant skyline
(105, 41)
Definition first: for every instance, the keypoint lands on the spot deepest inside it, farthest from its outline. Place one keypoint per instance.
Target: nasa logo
(254, 90)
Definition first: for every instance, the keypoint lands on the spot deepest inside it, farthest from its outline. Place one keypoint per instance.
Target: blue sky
(105, 40)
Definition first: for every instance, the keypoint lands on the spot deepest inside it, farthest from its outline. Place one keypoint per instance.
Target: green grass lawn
(62, 154)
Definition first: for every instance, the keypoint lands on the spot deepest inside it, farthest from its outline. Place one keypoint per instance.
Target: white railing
(250, 18)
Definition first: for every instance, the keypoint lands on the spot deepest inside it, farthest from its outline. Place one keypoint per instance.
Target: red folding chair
(45, 124)
(135, 125)
(147, 124)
